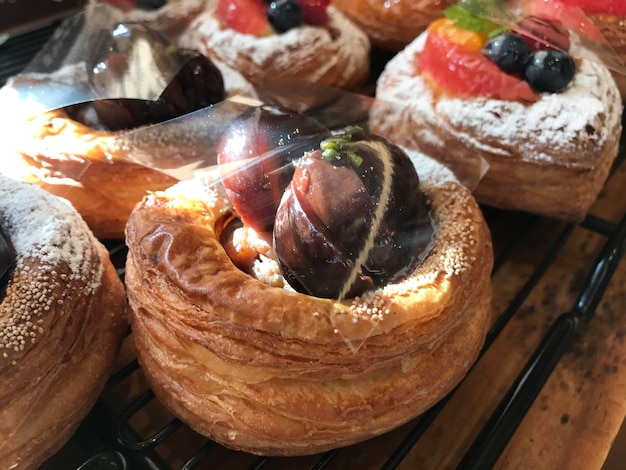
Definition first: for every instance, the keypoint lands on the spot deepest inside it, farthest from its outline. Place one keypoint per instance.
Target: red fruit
(325, 238)
(542, 33)
(570, 14)
(256, 156)
(314, 11)
(613, 7)
(464, 72)
(124, 5)
(244, 16)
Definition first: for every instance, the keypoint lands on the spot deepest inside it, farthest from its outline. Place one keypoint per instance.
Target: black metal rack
(113, 439)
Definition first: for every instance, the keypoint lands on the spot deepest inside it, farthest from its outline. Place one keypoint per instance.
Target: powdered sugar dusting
(273, 58)
(564, 127)
(47, 228)
(430, 172)
(53, 249)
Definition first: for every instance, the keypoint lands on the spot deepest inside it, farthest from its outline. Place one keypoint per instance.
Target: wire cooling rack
(129, 429)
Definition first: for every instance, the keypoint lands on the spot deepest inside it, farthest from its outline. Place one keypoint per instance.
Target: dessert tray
(548, 390)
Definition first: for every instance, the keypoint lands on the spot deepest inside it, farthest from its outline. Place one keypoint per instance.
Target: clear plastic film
(201, 132)
(555, 23)
(327, 200)
(130, 61)
(87, 85)
(271, 152)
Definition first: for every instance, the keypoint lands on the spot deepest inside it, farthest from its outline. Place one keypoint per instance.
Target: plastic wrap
(262, 149)
(586, 40)
(86, 86)
(81, 63)
(283, 132)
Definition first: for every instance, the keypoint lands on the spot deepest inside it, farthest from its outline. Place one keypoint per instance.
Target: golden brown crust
(85, 166)
(274, 372)
(550, 157)
(104, 174)
(336, 55)
(392, 25)
(71, 335)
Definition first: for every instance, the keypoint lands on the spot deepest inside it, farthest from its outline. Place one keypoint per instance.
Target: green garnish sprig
(337, 147)
(473, 15)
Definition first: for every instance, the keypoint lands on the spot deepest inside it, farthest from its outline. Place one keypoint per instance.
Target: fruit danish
(548, 125)
(240, 331)
(77, 151)
(281, 41)
(62, 321)
(392, 25)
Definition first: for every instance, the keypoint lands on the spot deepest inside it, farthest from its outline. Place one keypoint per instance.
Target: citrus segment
(464, 72)
(470, 39)
(244, 16)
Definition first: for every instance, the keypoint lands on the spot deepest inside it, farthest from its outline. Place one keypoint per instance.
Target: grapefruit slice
(463, 72)
(244, 16)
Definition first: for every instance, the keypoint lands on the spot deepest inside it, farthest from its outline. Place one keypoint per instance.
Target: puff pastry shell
(273, 372)
(392, 25)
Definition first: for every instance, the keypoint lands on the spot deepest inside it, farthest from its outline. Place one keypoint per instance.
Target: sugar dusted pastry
(312, 43)
(62, 320)
(548, 137)
(278, 371)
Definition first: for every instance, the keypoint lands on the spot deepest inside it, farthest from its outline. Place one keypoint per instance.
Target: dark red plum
(256, 157)
(352, 218)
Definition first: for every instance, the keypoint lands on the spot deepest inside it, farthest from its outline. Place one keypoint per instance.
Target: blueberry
(508, 51)
(284, 15)
(150, 4)
(549, 70)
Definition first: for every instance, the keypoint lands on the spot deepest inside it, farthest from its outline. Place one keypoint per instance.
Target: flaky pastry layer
(86, 166)
(550, 157)
(392, 25)
(273, 372)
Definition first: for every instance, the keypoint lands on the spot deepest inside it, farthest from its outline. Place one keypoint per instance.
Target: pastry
(62, 321)
(392, 25)
(169, 17)
(323, 47)
(260, 365)
(84, 152)
(549, 139)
